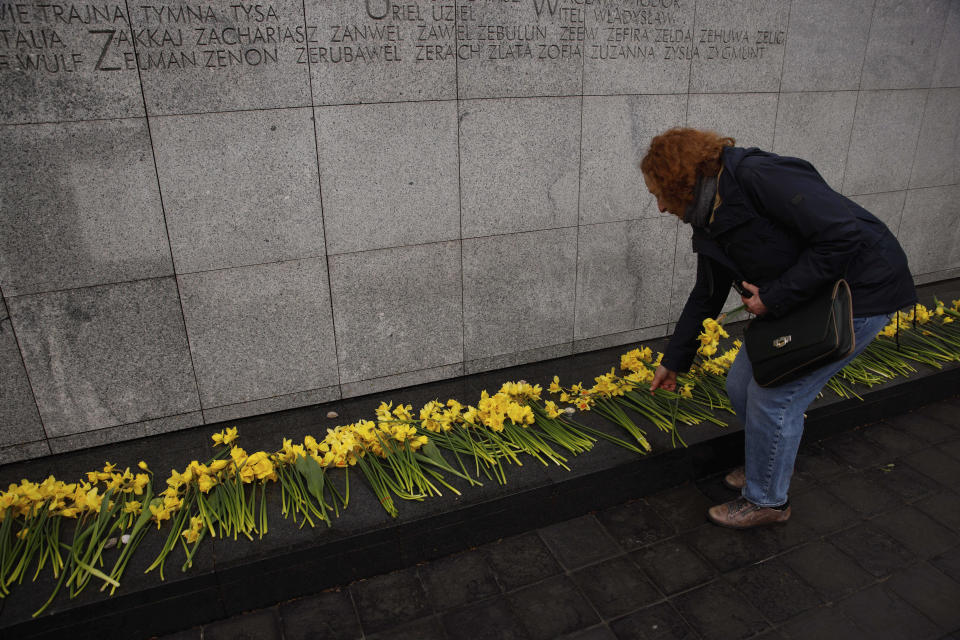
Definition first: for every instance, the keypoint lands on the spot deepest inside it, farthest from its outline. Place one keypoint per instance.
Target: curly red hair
(676, 159)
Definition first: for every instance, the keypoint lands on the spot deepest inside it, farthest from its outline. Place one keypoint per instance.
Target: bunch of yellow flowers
(710, 337)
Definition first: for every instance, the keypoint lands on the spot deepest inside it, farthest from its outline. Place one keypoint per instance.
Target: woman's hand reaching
(664, 378)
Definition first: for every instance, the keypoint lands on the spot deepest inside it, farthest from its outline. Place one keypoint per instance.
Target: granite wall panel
(397, 310)
(253, 201)
(388, 174)
(937, 161)
(518, 292)
(886, 128)
(616, 133)
(624, 276)
(929, 231)
(219, 55)
(904, 43)
(261, 331)
(816, 127)
(55, 65)
(105, 356)
(504, 187)
(80, 206)
(334, 198)
(826, 54)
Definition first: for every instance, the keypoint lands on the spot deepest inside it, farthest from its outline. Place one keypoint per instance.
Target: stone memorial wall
(211, 210)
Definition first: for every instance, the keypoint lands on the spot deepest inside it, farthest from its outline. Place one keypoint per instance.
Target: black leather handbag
(815, 334)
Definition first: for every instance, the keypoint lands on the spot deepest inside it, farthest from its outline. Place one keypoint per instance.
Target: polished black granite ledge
(230, 576)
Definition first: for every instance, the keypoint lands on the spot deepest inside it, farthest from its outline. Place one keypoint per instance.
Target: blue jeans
(773, 417)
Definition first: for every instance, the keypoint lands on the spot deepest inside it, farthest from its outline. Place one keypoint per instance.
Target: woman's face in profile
(663, 204)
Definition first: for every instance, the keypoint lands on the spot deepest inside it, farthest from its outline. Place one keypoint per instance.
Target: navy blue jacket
(781, 227)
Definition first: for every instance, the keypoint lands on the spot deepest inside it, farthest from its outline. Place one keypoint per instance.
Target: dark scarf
(698, 211)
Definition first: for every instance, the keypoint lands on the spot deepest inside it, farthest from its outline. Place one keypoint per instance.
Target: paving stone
(423, 629)
(896, 442)
(936, 464)
(827, 570)
(943, 413)
(873, 549)
(458, 580)
(520, 560)
(599, 632)
(952, 448)
(388, 600)
(683, 507)
(944, 508)
(905, 481)
(615, 587)
(825, 622)
(715, 491)
(884, 617)
(551, 608)
(822, 512)
(190, 634)
(579, 542)
(326, 616)
(259, 625)
(856, 451)
(634, 524)
(660, 622)
(716, 611)
(949, 563)
(774, 590)
(931, 593)
(729, 549)
(491, 619)
(917, 531)
(922, 427)
(866, 497)
(673, 566)
(816, 463)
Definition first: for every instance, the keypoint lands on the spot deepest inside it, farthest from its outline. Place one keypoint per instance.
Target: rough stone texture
(261, 331)
(390, 70)
(926, 209)
(508, 63)
(825, 55)
(389, 174)
(749, 118)
(219, 69)
(18, 409)
(904, 43)
(947, 72)
(397, 310)
(624, 275)
(626, 62)
(269, 405)
(67, 80)
(80, 206)
(513, 299)
(504, 186)
(886, 206)
(106, 356)
(252, 201)
(885, 131)
(816, 127)
(938, 151)
(616, 133)
(736, 57)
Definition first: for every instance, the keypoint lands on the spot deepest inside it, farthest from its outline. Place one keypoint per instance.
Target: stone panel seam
(163, 213)
(456, 94)
(273, 397)
(916, 147)
(323, 222)
(856, 104)
(23, 363)
(783, 63)
(576, 260)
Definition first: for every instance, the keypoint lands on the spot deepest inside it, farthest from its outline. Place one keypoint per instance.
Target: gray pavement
(872, 551)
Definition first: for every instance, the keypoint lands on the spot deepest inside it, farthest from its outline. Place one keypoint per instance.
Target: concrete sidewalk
(872, 551)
